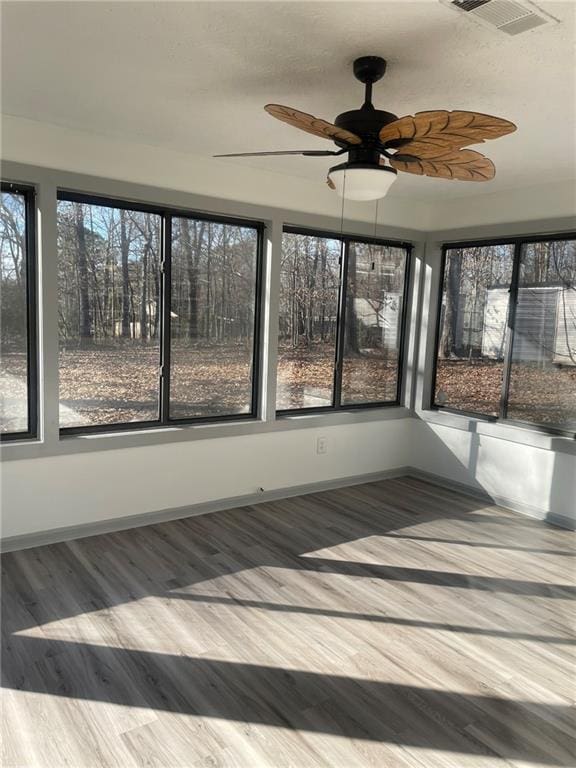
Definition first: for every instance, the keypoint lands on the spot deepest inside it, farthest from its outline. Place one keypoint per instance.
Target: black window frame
(28, 192)
(518, 241)
(345, 239)
(167, 214)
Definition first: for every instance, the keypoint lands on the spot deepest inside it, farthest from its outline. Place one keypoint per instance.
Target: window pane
(543, 372)
(374, 297)
(473, 326)
(214, 268)
(109, 300)
(13, 315)
(309, 287)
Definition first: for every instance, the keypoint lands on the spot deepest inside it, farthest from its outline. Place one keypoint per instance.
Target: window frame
(28, 192)
(518, 241)
(166, 214)
(345, 239)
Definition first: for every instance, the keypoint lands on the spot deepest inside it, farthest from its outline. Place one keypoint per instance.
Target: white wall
(72, 490)
(538, 481)
(531, 203)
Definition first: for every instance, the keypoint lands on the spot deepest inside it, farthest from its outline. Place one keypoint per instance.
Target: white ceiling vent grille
(510, 16)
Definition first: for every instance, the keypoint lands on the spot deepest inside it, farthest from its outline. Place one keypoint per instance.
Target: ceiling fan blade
(311, 124)
(442, 129)
(305, 152)
(426, 149)
(463, 165)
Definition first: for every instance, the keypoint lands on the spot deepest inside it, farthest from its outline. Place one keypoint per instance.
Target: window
(109, 298)
(18, 408)
(341, 321)
(543, 359)
(213, 311)
(507, 331)
(373, 327)
(309, 290)
(473, 322)
(158, 316)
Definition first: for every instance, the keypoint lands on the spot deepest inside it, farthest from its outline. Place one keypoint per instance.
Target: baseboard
(56, 535)
(538, 513)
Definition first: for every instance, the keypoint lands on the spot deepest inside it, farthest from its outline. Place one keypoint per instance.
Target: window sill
(512, 433)
(103, 441)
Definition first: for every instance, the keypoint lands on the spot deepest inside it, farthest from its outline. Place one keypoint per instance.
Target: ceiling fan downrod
(369, 69)
(366, 121)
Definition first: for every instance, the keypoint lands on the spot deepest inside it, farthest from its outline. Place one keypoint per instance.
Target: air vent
(510, 16)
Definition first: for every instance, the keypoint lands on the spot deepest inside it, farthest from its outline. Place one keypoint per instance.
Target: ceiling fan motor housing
(366, 123)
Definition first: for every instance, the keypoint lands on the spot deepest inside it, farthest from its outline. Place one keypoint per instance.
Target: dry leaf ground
(107, 386)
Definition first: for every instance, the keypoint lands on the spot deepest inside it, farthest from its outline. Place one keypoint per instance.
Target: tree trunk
(124, 251)
(144, 294)
(351, 345)
(85, 315)
(323, 293)
(191, 255)
(311, 309)
(448, 342)
(208, 313)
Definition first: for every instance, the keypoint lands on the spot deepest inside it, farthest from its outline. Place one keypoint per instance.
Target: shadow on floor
(373, 617)
(351, 707)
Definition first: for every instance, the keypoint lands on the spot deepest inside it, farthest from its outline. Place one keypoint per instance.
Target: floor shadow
(75, 577)
(373, 617)
(440, 578)
(354, 708)
(484, 545)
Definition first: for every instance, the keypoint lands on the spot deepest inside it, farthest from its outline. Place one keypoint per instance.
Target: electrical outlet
(322, 445)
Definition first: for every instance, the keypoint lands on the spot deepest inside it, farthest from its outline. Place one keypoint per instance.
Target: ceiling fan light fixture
(361, 182)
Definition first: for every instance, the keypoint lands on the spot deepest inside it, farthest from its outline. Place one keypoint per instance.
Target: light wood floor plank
(391, 625)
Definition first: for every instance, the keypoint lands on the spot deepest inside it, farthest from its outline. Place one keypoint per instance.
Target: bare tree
(85, 314)
(125, 255)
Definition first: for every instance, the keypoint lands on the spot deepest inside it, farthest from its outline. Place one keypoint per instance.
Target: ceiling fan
(379, 144)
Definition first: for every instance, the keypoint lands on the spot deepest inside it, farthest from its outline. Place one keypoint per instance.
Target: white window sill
(103, 441)
(513, 433)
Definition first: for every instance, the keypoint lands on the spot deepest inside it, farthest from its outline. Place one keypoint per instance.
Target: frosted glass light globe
(362, 183)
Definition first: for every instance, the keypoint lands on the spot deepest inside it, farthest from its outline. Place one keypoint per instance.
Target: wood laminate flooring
(392, 625)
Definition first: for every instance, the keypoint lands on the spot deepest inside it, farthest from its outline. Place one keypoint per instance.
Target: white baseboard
(56, 535)
(538, 513)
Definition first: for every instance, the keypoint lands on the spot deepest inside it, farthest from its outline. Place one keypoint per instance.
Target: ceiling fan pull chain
(342, 208)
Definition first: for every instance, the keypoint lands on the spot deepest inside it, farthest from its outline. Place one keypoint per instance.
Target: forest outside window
(158, 316)
(212, 316)
(507, 332)
(18, 368)
(342, 304)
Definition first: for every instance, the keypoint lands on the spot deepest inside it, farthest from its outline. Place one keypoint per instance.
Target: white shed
(545, 324)
(384, 315)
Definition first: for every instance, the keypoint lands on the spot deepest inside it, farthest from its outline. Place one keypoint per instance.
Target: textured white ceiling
(193, 76)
